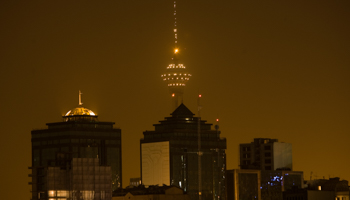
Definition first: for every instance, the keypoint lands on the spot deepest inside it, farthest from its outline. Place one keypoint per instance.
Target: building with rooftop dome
(80, 135)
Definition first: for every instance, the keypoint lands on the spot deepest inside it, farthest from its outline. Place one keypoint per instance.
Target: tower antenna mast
(199, 149)
(175, 28)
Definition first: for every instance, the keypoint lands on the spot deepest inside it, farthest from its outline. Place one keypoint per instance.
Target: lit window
(319, 187)
(61, 193)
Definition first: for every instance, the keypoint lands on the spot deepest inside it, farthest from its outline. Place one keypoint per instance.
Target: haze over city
(264, 69)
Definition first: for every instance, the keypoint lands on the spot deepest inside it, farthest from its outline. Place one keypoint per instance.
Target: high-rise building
(266, 154)
(169, 155)
(79, 135)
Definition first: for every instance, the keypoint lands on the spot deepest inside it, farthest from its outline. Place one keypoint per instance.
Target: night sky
(275, 69)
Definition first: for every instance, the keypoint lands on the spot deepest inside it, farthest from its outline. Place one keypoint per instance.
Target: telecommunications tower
(176, 75)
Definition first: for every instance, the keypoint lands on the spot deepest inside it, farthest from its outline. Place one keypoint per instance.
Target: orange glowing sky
(275, 69)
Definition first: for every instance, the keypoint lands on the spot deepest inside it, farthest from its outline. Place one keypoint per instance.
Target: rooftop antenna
(199, 151)
(80, 103)
(218, 151)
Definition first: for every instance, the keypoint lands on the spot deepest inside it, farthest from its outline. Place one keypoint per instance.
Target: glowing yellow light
(217, 120)
(173, 95)
(176, 50)
(200, 96)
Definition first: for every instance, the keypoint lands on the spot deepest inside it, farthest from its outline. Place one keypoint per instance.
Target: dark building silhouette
(169, 155)
(243, 184)
(80, 135)
(275, 182)
(140, 192)
(265, 171)
(320, 189)
(261, 184)
(266, 154)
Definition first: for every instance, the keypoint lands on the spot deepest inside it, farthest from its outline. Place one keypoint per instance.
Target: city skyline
(265, 69)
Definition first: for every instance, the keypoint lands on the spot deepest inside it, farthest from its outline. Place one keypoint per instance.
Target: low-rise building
(320, 189)
(261, 184)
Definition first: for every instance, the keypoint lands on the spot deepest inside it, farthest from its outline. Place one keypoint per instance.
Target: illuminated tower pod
(176, 77)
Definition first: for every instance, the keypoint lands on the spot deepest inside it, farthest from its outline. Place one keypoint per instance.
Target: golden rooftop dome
(80, 111)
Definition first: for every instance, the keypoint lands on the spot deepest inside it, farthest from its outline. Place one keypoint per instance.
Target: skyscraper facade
(79, 135)
(169, 155)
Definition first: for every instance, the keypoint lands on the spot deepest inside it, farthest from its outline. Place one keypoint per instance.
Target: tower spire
(175, 28)
(176, 74)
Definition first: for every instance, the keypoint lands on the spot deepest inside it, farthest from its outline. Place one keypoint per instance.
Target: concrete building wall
(155, 163)
(282, 155)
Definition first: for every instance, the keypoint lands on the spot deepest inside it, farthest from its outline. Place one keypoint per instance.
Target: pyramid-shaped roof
(182, 112)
